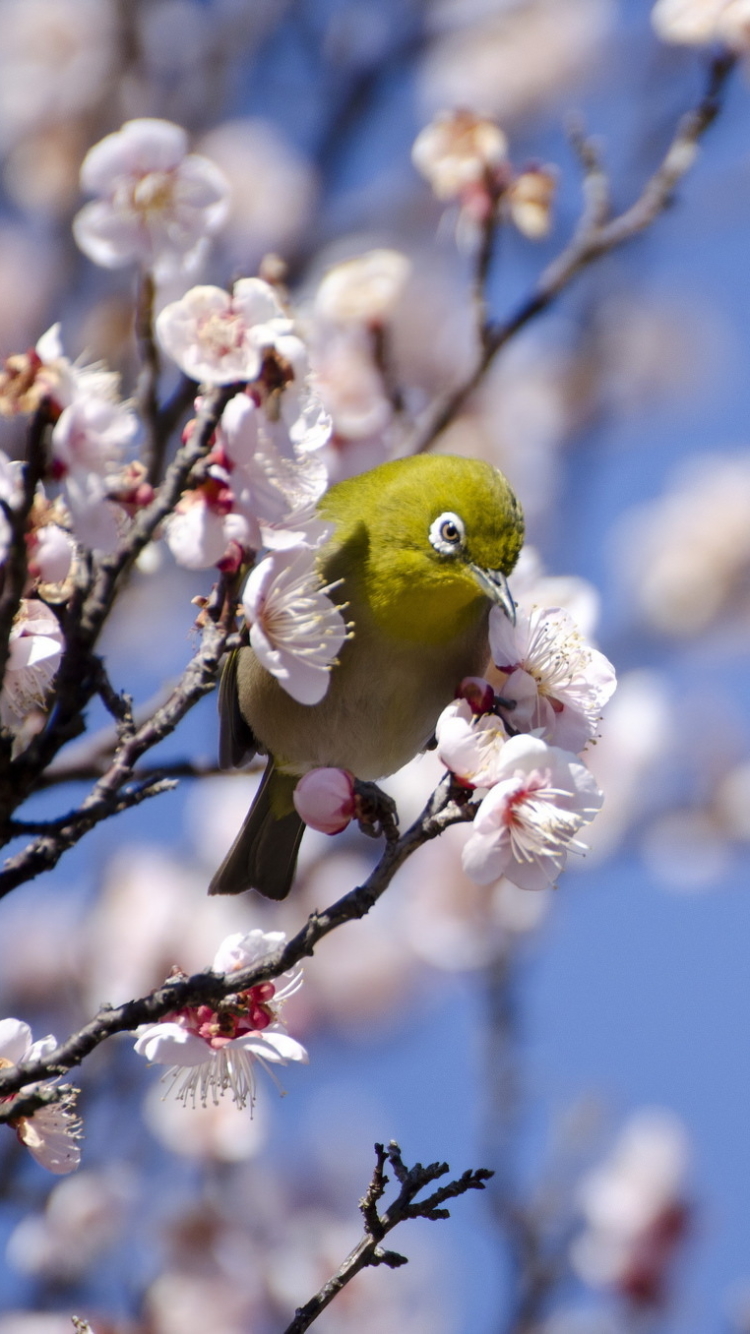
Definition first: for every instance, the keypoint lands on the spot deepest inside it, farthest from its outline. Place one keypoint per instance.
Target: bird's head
(429, 540)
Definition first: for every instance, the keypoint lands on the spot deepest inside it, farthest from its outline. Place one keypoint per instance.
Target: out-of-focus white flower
(216, 338)
(272, 189)
(634, 1208)
(219, 1048)
(55, 59)
(559, 684)
(685, 553)
(36, 645)
(700, 22)
(471, 746)
(364, 290)
(324, 799)
(457, 150)
(531, 587)
(157, 203)
(51, 1134)
(295, 628)
(529, 820)
(82, 1218)
(529, 202)
(51, 552)
(10, 493)
(351, 385)
(90, 435)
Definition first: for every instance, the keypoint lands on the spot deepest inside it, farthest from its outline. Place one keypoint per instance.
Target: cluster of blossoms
(465, 158)
(522, 748)
(635, 1210)
(211, 1050)
(704, 22)
(52, 1133)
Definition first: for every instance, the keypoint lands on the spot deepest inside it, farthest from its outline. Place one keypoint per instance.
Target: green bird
(420, 551)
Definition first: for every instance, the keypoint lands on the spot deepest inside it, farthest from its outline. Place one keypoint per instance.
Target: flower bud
(324, 799)
(478, 694)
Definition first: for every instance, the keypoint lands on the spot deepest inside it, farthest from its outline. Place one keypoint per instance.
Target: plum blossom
(634, 1209)
(529, 201)
(530, 817)
(156, 202)
(364, 290)
(10, 494)
(295, 628)
(471, 745)
(252, 491)
(36, 645)
(212, 1050)
(700, 22)
(51, 1134)
(457, 150)
(325, 799)
(218, 338)
(558, 683)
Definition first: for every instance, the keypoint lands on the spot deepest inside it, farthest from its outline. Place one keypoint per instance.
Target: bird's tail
(264, 853)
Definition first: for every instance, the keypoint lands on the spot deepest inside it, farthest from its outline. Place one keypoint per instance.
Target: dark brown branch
(596, 235)
(147, 388)
(368, 1252)
(15, 565)
(446, 807)
(115, 791)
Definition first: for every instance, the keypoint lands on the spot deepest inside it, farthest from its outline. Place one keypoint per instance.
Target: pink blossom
(324, 799)
(219, 1048)
(295, 629)
(51, 1134)
(529, 819)
(559, 684)
(471, 746)
(218, 338)
(156, 202)
(36, 645)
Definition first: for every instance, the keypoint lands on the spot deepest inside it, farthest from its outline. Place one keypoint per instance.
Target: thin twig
(595, 235)
(368, 1252)
(445, 808)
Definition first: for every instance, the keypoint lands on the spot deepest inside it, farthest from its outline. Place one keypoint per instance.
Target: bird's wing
(237, 744)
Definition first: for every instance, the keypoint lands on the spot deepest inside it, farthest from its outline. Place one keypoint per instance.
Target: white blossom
(456, 150)
(471, 746)
(210, 1051)
(364, 290)
(558, 683)
(156, 202)
(530, 818)
(51, 1134)
(36, 645)
(700, 22)
(295, 629)
(218, 338)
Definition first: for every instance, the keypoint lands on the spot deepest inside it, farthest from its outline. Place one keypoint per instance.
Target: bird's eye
(447, 533)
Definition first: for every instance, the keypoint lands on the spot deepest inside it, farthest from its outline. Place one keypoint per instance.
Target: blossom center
(154, 192)
(221, 333)
(249, 1012)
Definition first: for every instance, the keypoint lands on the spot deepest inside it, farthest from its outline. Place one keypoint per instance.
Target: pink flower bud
(478, 694)
(324, 799)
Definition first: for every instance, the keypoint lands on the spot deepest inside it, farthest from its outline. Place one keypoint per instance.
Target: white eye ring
(447, 533)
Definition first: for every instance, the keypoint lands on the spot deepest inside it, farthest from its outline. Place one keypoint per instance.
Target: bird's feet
(375, 811)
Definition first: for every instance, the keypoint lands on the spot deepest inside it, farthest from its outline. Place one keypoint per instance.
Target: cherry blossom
(295, 628)
(218, 338)
(36, 644)
(558, 683)
(529, 819)
(212, 1050)
(156, 202)
(51, 1134)
(324, 799)
(471, 746)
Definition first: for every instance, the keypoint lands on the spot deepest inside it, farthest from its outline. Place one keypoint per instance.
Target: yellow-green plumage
(419, 624)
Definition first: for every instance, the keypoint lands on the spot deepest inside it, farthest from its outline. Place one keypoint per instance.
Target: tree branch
(595, 235)
(368, 1251)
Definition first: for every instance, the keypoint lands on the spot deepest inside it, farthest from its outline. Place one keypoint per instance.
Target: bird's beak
(495, 585)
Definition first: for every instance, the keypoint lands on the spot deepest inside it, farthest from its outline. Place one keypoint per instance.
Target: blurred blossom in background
(466, 1021)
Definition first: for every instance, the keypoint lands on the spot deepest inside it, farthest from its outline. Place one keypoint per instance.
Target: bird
(420, 551)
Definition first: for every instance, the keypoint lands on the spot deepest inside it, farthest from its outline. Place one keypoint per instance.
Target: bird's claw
(375, 811)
